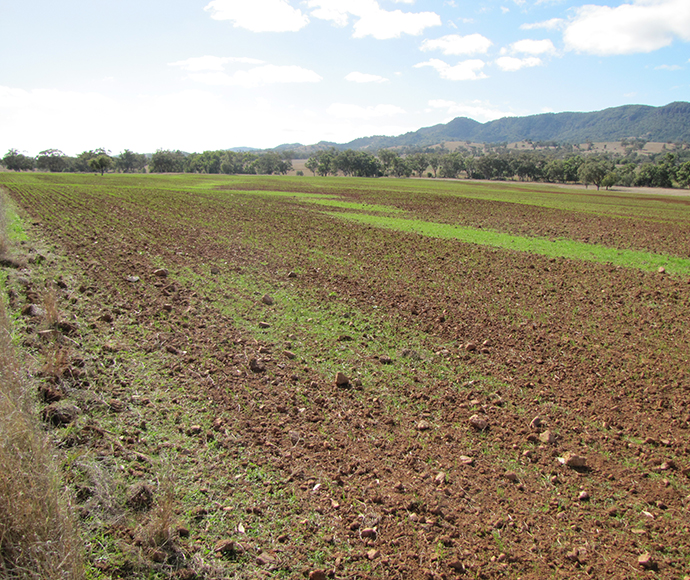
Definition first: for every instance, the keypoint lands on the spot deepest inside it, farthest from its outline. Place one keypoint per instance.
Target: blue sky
(215, 74)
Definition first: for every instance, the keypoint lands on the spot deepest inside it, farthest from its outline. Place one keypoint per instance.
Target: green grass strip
(559, 248)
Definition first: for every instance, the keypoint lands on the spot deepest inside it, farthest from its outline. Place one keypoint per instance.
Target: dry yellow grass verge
(37, 537)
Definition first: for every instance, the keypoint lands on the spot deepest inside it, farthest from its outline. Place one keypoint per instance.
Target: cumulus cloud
(528, 46)
(358, 77)
(468, 70)
(454, 44)
(259, 15)
(371, 19)
(639, 27)
(347, 111)
(512, 63)
(553, 24)
(211, 63)
(477, 110)
(668, 67)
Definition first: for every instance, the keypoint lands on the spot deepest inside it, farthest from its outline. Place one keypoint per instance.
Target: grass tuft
(37, 537)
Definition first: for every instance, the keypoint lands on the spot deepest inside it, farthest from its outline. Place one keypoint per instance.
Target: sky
(144, 75)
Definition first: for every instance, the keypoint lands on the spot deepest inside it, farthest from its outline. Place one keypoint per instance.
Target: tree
(419, 163)
(52, 160)
(434, 160)
(387, 158)
(451, 165)
(683, 174)
(16, 161)
(127, 161)
(165, 161)
(593, 171)
(101, 163)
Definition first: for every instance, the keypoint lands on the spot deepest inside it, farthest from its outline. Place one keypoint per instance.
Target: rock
(266, 559)
(479, 422)
(341, 379)
(292, 274)
(536, 423)
(33, 311)
(132, 279)
(60, 415)
(511, 476)
(547, 437)
(345, 338)
(373, 554)
(573, 460)
(167, 307)
(385, 360)
(225, 547)
(661, 270)
(471, 346)
(457, 565)
(215, 270)
(440, 478)
(161, 273)
(317, 575)
(268, 300)
(465, 460)
(584, 496)
(255, 366)
(264, 325)
(289, 354)
(194, 430)
(50, 394)
(368, 533)
(646, 561)
(140, 496)
(423, 425)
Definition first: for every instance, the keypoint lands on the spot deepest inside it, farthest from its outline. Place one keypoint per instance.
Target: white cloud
(455, 44)
(528, 46)
(259, 76)
(372, 20)
(512, 64)
(259, 15)
(358, 77)
(468, 70)
(668, 67)
(477, 110)
(347, 111)
(211, 63)
(642, 26)
(553, 24)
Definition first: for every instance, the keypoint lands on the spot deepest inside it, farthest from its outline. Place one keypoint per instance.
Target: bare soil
(560, 358)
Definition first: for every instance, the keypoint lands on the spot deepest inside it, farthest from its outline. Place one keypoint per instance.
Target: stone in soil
(341, 379)
(479, 422)
(140, 496)
(646, 561)
(267, 299)
(547, 437)
(573, 460)
(225, 547)
(317, 575)
(255, 366)
(161, 273)
(60, 415)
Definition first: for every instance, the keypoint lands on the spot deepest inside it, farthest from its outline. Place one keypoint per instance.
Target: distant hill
(660, 124)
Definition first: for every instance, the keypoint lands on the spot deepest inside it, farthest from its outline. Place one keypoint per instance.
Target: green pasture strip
(556, 248)
(328, 200)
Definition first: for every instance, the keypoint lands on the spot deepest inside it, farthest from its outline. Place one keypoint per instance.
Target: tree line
(562, 165)
(601, 170)
(162, 161)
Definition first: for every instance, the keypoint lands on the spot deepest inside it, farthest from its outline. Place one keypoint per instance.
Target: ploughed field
(516, 390)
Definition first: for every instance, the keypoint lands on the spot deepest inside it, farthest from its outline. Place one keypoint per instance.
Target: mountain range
(670, 123)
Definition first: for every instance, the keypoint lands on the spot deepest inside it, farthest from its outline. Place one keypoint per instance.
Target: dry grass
(4, 235)
(50, 305)
(37, 537)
